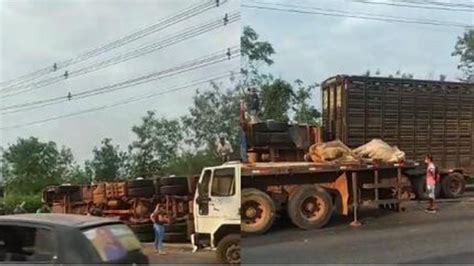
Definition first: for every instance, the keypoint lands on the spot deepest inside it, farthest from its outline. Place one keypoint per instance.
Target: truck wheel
(176, 228)
(175, 237)
(310, 207)
(174, 190)
(141, 192)
(257, 211)
(145, 236)
(140, 183)
(141, 228)
(270, 126)
(228, 249)
(173, 181)
(453, 185)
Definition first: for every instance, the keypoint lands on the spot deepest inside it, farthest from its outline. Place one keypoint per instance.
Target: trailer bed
(286, 168)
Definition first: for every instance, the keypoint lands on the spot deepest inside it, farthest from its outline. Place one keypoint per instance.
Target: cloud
(36, 34)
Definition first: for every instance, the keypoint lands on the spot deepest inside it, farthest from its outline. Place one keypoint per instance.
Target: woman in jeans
(159, 219)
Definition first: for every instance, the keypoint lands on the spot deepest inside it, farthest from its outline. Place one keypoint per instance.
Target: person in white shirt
(224, 149)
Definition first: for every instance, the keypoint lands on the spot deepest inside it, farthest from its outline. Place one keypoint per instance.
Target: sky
(36, 34)
(314, 47)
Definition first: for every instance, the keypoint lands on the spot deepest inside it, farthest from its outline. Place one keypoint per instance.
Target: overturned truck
(132, 202)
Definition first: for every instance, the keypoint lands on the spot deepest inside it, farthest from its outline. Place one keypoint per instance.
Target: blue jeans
(159, 235)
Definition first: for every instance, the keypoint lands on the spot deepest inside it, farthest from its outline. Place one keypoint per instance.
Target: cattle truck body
(418, 116)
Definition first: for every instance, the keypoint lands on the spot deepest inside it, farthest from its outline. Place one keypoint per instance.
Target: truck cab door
(218, 199)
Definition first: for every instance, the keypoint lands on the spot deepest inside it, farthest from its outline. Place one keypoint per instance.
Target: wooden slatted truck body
(418, 116)
(309, 192)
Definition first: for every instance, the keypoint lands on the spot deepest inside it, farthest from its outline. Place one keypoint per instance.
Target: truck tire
(141, 192)
(310, 207)
(145, 236)
(228, 249)
(176, 228)
(270, 126)
(175, 237)
(173, 181)
(141, 228)
(419, 185)
(178, 190)
(453, 185)
(140, 183)
(257, 211)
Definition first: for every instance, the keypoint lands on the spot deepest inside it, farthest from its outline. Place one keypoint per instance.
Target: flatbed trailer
(310, 192)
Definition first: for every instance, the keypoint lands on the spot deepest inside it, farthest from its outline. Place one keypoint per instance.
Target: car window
(27, 244)
(223, 182)
(112, 242)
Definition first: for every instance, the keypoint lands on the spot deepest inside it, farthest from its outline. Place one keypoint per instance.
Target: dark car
(67, 238)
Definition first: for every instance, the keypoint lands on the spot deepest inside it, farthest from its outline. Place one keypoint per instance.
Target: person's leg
(157, 236)
(160, 238)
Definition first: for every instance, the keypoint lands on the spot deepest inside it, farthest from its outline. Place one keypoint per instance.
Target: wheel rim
(312, 208)
(252, 213)
(232, 254)
(454, 186)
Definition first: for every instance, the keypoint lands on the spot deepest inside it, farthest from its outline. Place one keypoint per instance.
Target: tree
(464, 48)
(214, 111)
(191, 163)
(254, 53)
(304, 112)
(107, 161)
(156, 145)
(31, 165)
(276, 100)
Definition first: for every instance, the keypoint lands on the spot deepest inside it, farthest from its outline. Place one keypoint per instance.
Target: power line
(160, 25)
(340, 13)
(143, 50)
(418, 6)
(126, 101)
(437, 3)
(208, 60)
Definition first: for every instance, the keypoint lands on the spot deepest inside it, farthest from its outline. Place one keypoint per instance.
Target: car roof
(58, 219)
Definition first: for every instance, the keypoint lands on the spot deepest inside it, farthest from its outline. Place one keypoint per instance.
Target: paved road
(385, 237)
(179, 254)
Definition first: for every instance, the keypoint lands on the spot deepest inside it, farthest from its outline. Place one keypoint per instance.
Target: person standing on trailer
(253, 105)
(159, 219)
(432, 177)
(224, 148)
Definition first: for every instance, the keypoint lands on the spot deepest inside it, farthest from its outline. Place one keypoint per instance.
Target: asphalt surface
(179, 254)
(413, 236)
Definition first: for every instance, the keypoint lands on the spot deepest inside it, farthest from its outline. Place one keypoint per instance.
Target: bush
(32, 202)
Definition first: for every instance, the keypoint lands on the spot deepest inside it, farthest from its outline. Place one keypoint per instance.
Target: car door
(218, 199)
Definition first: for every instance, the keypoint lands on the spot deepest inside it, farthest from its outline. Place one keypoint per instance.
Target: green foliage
(464, 48)
(156, 145)
(32, 202)
(254, 53)
(304, 112)
(192, 163)
(79, 176)
(214, 111)
(107, 161)
(30, 165)
(276, 98)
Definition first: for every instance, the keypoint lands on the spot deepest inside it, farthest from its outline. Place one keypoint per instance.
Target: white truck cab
(216, 211)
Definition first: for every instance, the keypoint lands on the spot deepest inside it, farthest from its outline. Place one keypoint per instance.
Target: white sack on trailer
(379, 150)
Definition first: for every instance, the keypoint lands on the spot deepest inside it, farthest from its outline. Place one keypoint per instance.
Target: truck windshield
(112, 242)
